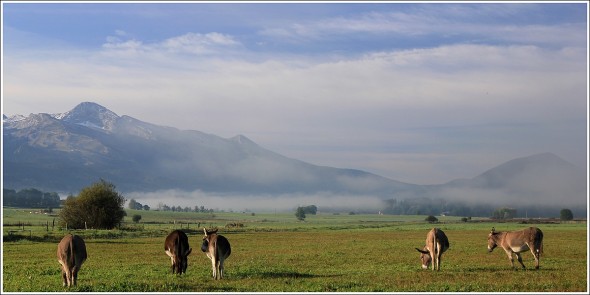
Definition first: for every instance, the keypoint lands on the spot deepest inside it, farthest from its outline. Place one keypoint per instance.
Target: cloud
(198, 43)
(447, 85)
(475, 23)
(189, 43)
(335, 104)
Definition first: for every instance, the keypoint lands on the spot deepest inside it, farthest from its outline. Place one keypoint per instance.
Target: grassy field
(276, 253)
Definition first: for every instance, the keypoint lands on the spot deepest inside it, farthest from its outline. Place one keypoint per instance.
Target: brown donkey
(176, 246)
(436, 244)
(517, 242)
(217, 249)
(71, 253)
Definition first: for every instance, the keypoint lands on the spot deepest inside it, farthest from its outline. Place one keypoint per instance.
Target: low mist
(263, 203)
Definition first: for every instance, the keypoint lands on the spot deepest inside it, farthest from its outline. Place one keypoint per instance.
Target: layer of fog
(330, 202)
(263, 203)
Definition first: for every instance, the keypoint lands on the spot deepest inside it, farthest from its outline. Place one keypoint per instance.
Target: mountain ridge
(92, 135)
(70, 150)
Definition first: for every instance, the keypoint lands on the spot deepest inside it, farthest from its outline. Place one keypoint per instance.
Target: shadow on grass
(91, 241)
(281, 275)
(504, 269)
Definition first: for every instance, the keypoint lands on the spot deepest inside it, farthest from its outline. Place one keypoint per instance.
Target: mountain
(541, 179)
(68, 151)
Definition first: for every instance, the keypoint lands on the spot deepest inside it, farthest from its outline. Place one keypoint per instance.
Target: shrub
(97, 206)
(431, 219)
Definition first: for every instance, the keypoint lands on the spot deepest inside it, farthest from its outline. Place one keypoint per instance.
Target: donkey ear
(205, 230)
(422, 251)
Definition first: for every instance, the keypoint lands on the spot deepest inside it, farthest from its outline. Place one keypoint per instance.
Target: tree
(566, 214)
(30, 198)
(136, 218)
(431, 219)
(132, 204)
(97, 206)
(312, 209)
(146, 208)
(300, 213)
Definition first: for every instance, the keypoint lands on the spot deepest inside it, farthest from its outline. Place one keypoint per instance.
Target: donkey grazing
(436, 244)
(517, 242)
(176, 246)
(71, 253)
(217, 249)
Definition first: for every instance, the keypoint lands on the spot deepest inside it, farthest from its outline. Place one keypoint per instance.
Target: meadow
(276, 253)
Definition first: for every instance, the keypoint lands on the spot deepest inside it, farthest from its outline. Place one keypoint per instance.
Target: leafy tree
(97, 206)
(431, 219)
(146, 208)
(136, 218)
(300, 213)
(312, 209)
(566, 214)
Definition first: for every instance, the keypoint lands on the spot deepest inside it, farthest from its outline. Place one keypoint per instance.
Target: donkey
(177, 247)
(517, 242)
(71, 253)
(436, 244)
(217, 249)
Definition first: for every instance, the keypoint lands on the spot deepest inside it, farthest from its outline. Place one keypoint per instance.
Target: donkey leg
(214, 267)
(510, 258)
(75, 275)
(520, 260)
(537, 255)
(221, 268)
(218, 268)
(64, 277)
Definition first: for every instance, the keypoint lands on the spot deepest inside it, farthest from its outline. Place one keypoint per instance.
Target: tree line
(30, 198)
(428, 206)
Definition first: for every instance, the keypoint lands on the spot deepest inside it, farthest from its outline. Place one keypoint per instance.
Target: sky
(419, 92)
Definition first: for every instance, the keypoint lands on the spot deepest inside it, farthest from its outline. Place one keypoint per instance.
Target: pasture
(276, 253)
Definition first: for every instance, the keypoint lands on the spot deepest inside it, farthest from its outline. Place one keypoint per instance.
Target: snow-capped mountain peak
(13, 118)
(90, 114)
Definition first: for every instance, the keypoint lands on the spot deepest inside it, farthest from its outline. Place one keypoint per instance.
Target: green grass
(326, 253)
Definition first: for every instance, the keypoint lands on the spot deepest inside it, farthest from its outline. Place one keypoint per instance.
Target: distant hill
(68, 151)
(541, 179)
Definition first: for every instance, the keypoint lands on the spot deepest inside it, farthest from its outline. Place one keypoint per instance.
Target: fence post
(47, 225)
(85, 226)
